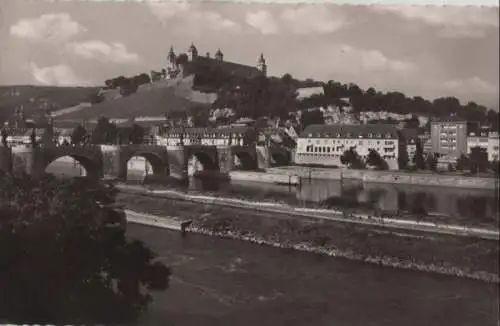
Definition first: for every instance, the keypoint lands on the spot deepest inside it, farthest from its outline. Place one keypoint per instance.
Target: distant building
(192, 62)
(493, 143)
(325, 144)
(449, 137)
(208, 136)
(409, 138)
(306, 92)
(477, 139)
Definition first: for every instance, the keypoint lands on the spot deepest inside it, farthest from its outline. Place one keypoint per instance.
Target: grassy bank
(446, 254)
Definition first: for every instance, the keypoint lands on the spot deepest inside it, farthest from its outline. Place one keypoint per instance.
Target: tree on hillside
(129, 87)
(418, 159)
(351, 159)
(141, 79)
(412, 123)
(374, 159)
(78, 135)
(66, 260)
(463, 163)
(199, 114)
(431, 161)
(313, 117)
(403, 158)
(105, 132)
(478, 159)
(136, 134)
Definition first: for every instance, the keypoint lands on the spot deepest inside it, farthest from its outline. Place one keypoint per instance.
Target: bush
(64, 261)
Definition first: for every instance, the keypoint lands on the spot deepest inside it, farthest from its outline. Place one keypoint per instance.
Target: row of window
(348, 135)
(327, 149)
(360, 142)
(323, 155)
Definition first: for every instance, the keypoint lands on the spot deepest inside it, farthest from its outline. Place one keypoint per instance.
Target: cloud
(55, 27)
(212, 20)
(307, 19)
(108, 52)
(445, 15)
(348, 57)
(263, 21)
(59, 75)
(456, 21)
(470, 85)
(167, 10)
(192, 17)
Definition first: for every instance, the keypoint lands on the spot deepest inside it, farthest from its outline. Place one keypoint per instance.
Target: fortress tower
(189, 62)
(261, 64)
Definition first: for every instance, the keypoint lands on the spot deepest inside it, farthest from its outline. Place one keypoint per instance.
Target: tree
(199, 114)
(136, 134)
(128, 88)
(64, 261)
(403, 158)
(431, 161)
(352, 159)
(313, 117)
(463, 163)
(418, 159)
(96, 98)
(374, 159)
(78, 135)
(478, 160)
(105, 132)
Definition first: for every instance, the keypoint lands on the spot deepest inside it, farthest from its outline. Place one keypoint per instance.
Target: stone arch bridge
(111, 160)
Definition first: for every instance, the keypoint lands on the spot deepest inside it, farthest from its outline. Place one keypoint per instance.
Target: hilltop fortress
(192, 62)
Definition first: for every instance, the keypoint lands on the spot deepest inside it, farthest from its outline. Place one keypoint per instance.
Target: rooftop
(350, 131)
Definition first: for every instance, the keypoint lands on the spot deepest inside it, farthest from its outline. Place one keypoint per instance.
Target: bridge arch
(154, 164)
(243, 160)
(199, 161)
(67, 164)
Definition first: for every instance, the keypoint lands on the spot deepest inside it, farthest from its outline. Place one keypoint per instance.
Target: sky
(430, 51)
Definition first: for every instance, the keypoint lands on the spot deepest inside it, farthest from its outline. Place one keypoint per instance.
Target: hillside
(34, 98)
(150, 100)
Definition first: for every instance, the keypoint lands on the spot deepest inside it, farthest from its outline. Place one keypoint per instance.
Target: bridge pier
(225, 159)
(178, 158)
(112, 166)
(5, 159)
(263, 156)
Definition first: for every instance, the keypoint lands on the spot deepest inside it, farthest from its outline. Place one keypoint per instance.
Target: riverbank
(428, 223)
(389, 177)
(409, 249)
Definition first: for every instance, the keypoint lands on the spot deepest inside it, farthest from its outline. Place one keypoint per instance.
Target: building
(208, 136)
(449, 137)
(193, 62)
(493, 142)
(325, 144)
(477, 139)
(409, 138)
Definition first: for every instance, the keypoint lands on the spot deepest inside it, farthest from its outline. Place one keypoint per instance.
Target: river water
(456, 205)
(228, 282)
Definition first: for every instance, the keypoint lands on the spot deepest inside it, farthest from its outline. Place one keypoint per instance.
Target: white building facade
(493, 143)
(325, 144)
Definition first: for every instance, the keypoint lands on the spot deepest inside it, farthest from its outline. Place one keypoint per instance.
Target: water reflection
(480, 205)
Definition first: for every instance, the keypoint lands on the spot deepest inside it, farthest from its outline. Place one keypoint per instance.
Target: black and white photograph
(203, 163)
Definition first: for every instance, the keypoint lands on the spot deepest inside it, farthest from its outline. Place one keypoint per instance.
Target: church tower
(219, 56)
(261, 64)
(192, 52)
(171, 64)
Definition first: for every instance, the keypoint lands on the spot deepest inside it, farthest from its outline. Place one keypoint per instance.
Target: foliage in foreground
(62, 260)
